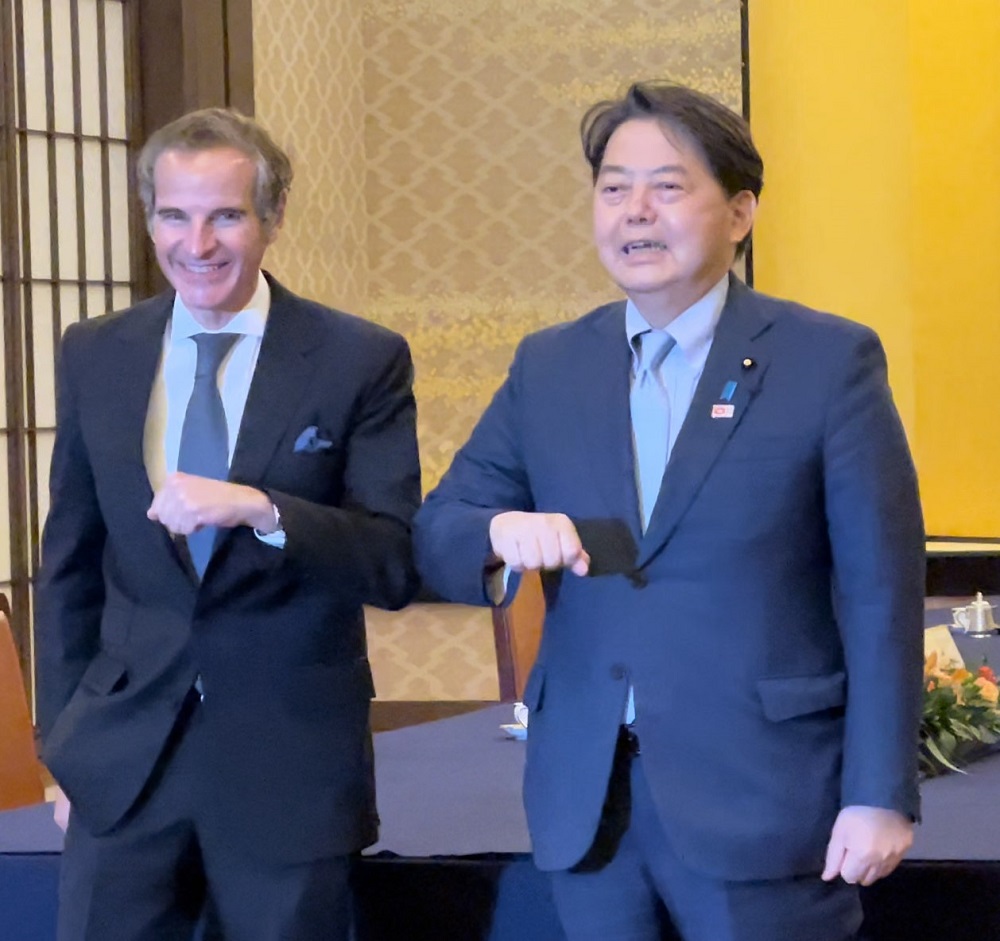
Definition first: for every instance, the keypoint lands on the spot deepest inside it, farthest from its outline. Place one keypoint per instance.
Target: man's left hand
(866, 844)
(185, 503)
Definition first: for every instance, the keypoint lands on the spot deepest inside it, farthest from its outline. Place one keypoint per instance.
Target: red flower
(987, 673)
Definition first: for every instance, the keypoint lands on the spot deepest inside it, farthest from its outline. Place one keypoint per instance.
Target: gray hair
(208, 129)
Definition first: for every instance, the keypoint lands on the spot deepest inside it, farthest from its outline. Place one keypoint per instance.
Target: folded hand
(531, 541)
(185, 503)
(866, 844)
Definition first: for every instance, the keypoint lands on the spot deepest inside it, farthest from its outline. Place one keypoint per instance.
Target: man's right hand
(60, 810)
(531, 541)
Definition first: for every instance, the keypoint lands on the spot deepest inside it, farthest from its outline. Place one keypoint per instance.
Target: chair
(517, 633)
(20, 770)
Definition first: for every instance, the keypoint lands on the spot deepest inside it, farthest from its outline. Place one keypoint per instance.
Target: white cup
(521, 714)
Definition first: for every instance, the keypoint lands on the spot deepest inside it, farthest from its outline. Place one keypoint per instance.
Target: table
(447, 880)
(973, 648)
(453, 863)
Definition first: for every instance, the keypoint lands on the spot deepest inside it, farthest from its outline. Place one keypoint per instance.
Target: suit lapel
(602, 368)
(281, 377)
(709, 422)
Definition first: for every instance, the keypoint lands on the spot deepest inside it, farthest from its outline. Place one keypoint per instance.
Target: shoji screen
(65, 235)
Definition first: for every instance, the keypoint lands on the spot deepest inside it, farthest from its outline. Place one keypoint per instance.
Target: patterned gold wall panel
(440, 190)
(433, 651)
(478, 197)
(308, 81)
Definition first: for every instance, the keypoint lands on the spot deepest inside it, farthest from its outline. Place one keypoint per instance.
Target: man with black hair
(717, 490)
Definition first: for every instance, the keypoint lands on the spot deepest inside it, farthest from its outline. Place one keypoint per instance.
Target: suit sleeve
(69, 589)
(878, 546)
(488, 476)
(364, 544)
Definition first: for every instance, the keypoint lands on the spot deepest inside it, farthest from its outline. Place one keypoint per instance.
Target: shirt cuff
(496, 585)
(275, 539)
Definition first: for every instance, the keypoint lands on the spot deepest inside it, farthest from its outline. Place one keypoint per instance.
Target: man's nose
(640, 205)
(201, 239)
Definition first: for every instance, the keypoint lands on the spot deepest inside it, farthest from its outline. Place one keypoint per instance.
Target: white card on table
(938, 639)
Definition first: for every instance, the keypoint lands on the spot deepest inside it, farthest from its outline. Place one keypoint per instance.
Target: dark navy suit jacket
(770, 619)
(277, 636)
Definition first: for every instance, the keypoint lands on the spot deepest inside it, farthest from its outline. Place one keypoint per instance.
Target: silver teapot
(975, 618)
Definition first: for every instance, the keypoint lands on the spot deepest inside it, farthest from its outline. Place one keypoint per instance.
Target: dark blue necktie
(204, 448)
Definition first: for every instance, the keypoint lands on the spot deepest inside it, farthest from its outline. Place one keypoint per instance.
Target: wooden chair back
(517, 633)
(20, 770)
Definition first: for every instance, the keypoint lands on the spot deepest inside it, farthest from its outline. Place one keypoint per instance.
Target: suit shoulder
(810, 325)
(340, 326)
(96, 329)
(563, 336)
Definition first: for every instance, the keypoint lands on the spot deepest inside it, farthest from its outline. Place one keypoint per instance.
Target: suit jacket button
(618, 671)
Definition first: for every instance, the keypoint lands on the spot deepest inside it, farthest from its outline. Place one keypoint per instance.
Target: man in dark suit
(234, 475)
(717, 490)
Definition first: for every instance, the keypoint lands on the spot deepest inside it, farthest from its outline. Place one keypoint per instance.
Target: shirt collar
(694, 328)
(250, 321)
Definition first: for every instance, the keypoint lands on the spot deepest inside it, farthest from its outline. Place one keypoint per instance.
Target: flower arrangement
(961, 715)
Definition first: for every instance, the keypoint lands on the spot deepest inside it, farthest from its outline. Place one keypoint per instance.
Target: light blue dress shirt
(175, 380)
(679, 372)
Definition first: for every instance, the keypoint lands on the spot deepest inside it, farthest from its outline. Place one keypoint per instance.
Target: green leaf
(933, 748)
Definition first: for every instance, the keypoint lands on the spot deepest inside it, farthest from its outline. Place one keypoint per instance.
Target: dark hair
(721, 136)
(220, 127)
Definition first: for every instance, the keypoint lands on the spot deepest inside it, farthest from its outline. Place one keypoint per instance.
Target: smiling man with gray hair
(234, 474)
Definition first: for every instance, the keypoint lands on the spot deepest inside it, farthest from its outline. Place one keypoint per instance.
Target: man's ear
(743, 207)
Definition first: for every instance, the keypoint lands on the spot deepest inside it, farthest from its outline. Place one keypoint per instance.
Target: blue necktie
(204, 447)
(650, 406)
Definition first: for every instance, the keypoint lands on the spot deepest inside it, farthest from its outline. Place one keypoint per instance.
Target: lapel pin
(748, 363)
(727, 391)
(723, 410)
